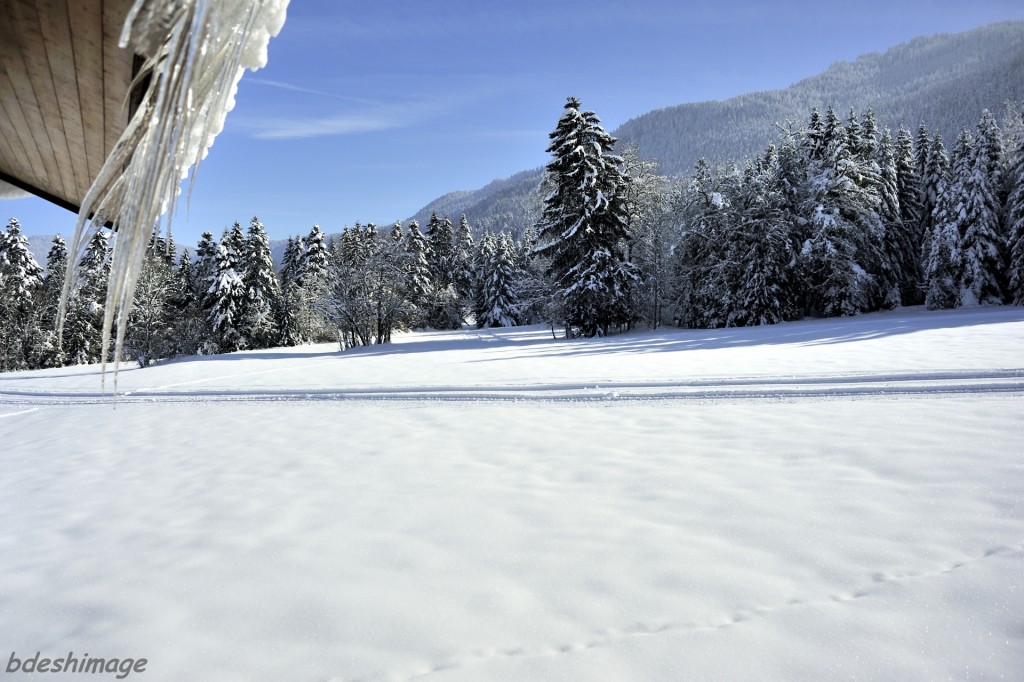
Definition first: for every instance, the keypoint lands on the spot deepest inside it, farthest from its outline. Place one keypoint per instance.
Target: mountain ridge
(943, 80)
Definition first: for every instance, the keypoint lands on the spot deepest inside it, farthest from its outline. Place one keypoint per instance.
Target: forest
(833, 218)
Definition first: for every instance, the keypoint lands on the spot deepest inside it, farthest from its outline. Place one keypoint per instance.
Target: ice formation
(196, 52)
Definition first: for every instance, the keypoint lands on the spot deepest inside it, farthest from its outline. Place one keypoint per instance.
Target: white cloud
(296, 128)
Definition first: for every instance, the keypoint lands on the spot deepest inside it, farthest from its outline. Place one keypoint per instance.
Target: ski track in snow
(611, 636)
(753, 388)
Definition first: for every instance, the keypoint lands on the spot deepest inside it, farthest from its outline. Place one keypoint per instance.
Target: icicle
(196, 52)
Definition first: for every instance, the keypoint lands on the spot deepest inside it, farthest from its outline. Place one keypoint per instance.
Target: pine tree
(312, 282)
(444, 311)
(841, 258)
(189, 326)
(908, 192)
(20, 284)
(82, 337)
(462, 269)
(707, 269)
(227, 298)
(1015, 223)
(149, 332)
(897, 249)
(761, 244)
(584, 226)
(418, 279)
(286, 314)
(979, 224)
(499, 298)
(50, 353)
(261, 288)
(944, 272)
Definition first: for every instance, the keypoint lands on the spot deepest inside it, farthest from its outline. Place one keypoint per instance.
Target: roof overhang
(64, 93)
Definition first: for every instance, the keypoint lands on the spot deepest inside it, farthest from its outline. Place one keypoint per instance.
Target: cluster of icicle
(195, 53)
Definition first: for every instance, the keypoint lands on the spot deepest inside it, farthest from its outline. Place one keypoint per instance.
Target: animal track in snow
(611, 636)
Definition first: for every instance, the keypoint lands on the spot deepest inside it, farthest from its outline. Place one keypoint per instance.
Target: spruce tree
(944, 272)
(149, 332)
(227, 298)
(761, 244)
(289, 333)
(979, 224)
(50, 352)
(908, 192)
(583, 228)
(261, 288)
(20, 284)
(1015, 223)
(841, 259)
(462, 269)
(83, 324)
(897, 249)
(418, 278)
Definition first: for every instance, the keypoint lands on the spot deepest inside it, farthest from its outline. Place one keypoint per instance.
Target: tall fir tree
(227, 300)
(981, 244)
(261, 288)
(584, 226)
(908, 192)
(289, 333)
(418, 276)
(20, 284)
(1015, 222)
(897, 249)
(944, 272)
(50, 352)
(83, 326)
(498, 296)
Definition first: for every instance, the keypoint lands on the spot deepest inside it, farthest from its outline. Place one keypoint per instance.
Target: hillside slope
(944, 81)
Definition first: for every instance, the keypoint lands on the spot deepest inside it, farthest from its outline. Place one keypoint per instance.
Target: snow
(817, 500)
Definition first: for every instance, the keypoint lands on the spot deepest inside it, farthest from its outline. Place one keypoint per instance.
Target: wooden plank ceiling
(64, 87)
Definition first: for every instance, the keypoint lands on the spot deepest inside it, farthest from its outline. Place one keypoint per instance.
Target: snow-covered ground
(839, 499)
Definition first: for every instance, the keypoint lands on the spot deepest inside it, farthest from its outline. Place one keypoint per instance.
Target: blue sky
(368, 111)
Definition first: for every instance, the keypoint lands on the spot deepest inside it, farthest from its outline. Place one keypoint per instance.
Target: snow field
(749, 536)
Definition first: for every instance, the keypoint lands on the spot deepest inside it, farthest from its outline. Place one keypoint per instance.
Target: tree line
(834, 218)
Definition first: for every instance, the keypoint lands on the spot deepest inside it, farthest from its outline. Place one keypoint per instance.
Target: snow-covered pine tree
(908, 191)
(50, 353)
(286, 313)
(842, 205)
(261, 288)
(418, 278)
(499, 295)
(708, 271)
(869, 135)
(897, 249)
(981, 244)
(944, 271)
(205, 268)
(20, 284)
(227, 297)
(936, 174)
(651, 224)
(312, 280)
(445, 308)
(82, 336)
(149, 332)
(189, 325)
(1015, 223)
(584, 226)
(462, 269)
(440, 250)
(761, 244)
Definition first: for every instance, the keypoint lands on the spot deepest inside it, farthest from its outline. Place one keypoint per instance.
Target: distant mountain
(39, 245)
(944, 81)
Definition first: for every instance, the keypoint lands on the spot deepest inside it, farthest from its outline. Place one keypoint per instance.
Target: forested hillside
(943, 80)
